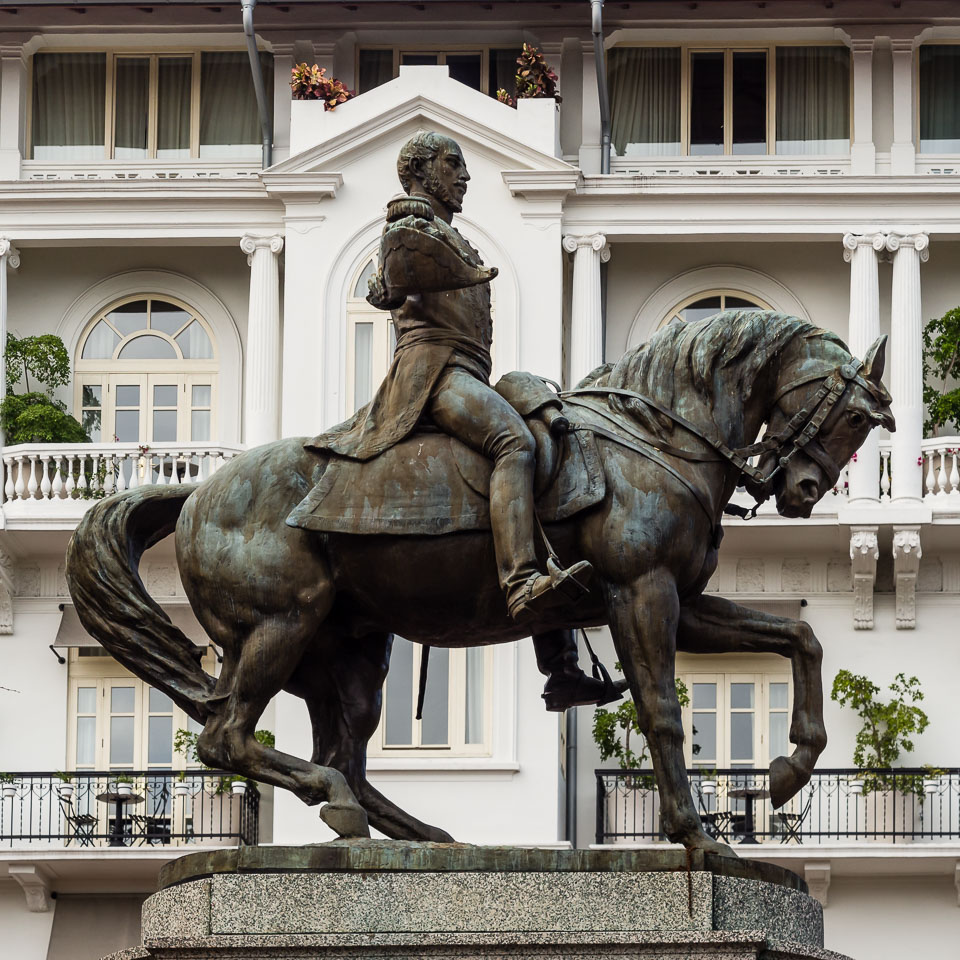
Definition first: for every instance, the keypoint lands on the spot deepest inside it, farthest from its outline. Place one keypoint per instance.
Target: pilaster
(586, 313)
(906, 563)
(283, 56)
(864, 553)
(590, 133)
(903, 153)
(13, 101)
(261, 395)
(863, 153)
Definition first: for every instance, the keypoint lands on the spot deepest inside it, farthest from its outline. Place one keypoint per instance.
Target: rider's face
(445, 177)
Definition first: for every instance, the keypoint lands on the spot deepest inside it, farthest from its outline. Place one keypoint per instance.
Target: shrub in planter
(312, 83)
(941, 370)
(534, 79)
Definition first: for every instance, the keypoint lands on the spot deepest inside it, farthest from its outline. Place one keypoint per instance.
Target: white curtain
(133, 107)
(813, 100)
(474, 720)
(645, 100)
(939, 99)
(174, 76)
(229, 123)
(69, 96)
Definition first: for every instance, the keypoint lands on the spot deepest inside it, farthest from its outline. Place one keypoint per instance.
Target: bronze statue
(634, 469)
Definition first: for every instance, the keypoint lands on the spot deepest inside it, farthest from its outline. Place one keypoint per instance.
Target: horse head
(826, 402)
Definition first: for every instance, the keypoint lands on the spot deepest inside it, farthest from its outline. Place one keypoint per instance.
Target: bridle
(799, 435)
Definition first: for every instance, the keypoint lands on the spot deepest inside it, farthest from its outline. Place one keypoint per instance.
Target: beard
(436, 187)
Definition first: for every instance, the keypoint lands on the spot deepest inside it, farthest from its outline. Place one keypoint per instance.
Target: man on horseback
(438, 291)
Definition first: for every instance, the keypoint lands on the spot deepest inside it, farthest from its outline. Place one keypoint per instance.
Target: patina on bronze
(653, 449)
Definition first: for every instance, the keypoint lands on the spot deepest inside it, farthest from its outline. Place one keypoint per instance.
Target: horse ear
(875, 360)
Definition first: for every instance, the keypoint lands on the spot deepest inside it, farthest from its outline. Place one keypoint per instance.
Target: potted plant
(312, 83)
(238, 786)
(708, 782)
(123, 785)
(534, 79)
(65, 786)
(8, 786)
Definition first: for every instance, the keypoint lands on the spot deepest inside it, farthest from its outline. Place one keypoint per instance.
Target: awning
(72, 633)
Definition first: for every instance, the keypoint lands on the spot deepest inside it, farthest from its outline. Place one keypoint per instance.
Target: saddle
(431, 483)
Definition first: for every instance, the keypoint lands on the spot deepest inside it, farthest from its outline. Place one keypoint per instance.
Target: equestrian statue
(457, 514)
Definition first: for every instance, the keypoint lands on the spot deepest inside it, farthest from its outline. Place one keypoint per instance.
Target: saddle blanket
(433, 484)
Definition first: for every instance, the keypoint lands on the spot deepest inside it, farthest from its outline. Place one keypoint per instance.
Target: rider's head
(432, 165)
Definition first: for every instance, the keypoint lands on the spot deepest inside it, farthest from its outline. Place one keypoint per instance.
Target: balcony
(154, 808)
(51, 485)
(731, 166)
(902, 807)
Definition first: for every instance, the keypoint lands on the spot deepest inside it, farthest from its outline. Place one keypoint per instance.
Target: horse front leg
(643, 620)
(713, 624)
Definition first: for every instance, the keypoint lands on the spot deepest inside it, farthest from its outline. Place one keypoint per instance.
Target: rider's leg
(558, 659)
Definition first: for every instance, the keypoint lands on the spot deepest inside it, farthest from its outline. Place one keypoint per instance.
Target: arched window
(371, 340)
(147, 373)
(703, 305)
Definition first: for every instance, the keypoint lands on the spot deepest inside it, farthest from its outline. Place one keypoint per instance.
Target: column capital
(919, 241)
(250, 243)
(596, 241)
(861, 44)
(9, 252)
(283, 49)
(851, 241)
(903, 45)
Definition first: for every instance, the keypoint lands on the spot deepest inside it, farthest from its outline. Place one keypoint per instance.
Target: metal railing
(128, 808)
(893, 806)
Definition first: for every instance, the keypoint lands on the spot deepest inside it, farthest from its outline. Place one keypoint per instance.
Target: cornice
(302, 186)
(542, 184)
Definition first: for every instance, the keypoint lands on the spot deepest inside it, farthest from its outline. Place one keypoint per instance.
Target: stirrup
(538, 592)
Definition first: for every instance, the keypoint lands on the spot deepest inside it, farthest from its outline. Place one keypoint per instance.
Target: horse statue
(656, 444)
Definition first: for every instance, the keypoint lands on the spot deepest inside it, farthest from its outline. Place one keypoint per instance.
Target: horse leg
(256, 668)
(643, 620)
(715, 625)
(344, 704)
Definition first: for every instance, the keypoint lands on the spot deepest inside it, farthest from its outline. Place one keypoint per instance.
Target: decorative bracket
(35, 883)
(817, 875)
(864, 554)
(906, 563)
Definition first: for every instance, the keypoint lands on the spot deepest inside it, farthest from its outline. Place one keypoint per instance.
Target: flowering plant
(312, 83)
(534, 79)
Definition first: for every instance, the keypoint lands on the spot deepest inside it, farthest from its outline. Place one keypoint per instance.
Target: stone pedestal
(388, 899)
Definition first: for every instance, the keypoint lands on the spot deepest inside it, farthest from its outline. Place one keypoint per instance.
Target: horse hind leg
(256, 668)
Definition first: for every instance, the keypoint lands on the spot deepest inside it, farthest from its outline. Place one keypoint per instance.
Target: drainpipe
(263, 108)
(600, 61)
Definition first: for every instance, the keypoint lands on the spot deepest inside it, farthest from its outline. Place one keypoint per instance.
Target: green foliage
(7, 778)
(312, 83)
(45, 357)
(941, 366)
(887, 726)
(38, 418)
(63, 776)
(534, 79)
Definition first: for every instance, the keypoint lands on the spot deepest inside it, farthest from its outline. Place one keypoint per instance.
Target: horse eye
(855, 419)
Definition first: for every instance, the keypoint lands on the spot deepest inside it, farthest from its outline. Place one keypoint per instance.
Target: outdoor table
(121, 800)
(748, 794)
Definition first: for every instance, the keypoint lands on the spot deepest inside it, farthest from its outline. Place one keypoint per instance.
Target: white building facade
(790, 156)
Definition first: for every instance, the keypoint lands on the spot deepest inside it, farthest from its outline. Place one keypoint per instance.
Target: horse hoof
(718, 849)
(346, 821)
(786, 780)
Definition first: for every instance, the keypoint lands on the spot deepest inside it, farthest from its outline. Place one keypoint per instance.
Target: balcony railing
(893, 806)
(739, 166)
(127, 808)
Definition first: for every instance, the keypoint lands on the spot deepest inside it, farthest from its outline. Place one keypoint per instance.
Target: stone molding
(251, 243)
(817, 875)
(864, 553)
(906, 562)
(35, 883)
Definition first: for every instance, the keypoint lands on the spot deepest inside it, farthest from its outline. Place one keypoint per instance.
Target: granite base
(388, 899)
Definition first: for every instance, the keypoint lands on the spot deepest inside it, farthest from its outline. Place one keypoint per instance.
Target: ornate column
(261, 385)
(9, 259)
(586, 309)
(906, 367)
(864, 327)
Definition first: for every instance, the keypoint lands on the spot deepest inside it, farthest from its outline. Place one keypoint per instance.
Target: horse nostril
(809, 489)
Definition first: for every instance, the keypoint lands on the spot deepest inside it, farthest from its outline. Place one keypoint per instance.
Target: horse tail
(103, 559)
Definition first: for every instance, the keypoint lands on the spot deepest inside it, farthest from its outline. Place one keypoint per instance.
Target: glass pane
(778, 735)
(398, 727)
(473, 725)
(199, 426)
(362, 364)
(939, 98)
(813, 100)
(503, 68)
(91, 422)
(160, 740)
(200, 395)
(465, 68)
(741, 696)
(101, 343)
(750, 102)
(741, 736)
(376, 68)
(644, 100)
(166, 317)
(369, 272)
(164, 426)
(86, 740)
(129, 317)
(127, 426)
(148, 348)
(194, 343)
(160, 702)
(90, 394)
(229, 122)
(128, 395)
(779, 693)
(704, 696)
(173, 107)
(130, 119)
(704, 736)
(436, 700)
(701, 309)
(419, 59)
(122, 699)
(121, 740)
(706, 103)
(736, 303)
(69, 104)
(165, 395)
(87, 700)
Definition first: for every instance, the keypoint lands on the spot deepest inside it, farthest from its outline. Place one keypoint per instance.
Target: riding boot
(567, 685)
(512, 518)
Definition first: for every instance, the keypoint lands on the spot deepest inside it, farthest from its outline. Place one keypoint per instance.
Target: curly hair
(424, 146)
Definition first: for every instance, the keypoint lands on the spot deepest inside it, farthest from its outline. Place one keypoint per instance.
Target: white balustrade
(941, 478)
(86, 471)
